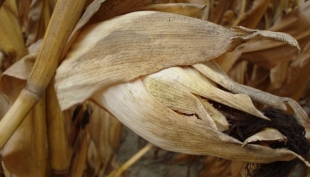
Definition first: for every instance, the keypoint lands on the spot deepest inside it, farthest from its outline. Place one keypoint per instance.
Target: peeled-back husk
(132, 104)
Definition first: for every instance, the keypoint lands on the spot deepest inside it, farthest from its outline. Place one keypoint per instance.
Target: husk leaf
(146, 42)
(192, 81)
(211, 70)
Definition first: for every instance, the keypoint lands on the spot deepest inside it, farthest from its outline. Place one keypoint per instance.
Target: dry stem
(64, 18)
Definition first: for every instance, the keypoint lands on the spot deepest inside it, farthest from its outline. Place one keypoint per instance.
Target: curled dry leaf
(268, 134)
(211, 70)
(285, 38)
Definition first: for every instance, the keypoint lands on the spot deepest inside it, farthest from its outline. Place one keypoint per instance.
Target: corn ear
(132, 104)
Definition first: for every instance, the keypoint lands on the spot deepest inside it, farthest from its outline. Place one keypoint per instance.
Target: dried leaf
(11, 44)
(78, 162)
(89, 12)
(297, 76)
(105, 132)
(254, 15)
(284, 37)
(278, 75)
(40, 77)
(16, 75)
(35, 16)
(217, 116)
(270, 53)
(25, 152)
(217, 14)
(268, 134)
(190, 10)
(256, 76)
(60, 151)
(4, 104)
(214, 166)
(228, 59)
(112, 8)
(214, 72)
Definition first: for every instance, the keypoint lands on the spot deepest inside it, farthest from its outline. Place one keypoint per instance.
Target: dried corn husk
(211, 70)
(190, 80)
(110, 62)
(132, 104)
(108, 59)
(148, 42)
